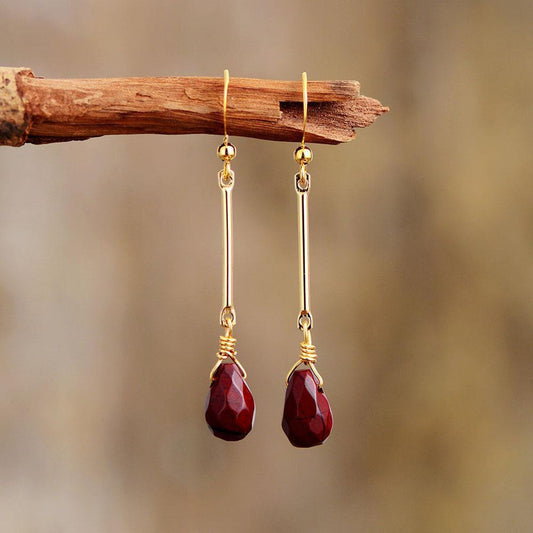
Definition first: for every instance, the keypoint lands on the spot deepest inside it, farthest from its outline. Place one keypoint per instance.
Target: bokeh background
(422, 276)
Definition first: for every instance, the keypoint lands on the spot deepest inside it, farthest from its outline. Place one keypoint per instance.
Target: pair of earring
(230, 407)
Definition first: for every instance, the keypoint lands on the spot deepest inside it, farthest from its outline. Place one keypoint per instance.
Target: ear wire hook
(226, 85)
(303, 154)
(304, 90)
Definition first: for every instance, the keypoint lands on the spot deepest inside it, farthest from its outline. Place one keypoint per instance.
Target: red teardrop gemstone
(307, 418)
(229, 408)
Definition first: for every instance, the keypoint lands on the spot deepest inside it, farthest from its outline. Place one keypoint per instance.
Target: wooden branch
(38, 110)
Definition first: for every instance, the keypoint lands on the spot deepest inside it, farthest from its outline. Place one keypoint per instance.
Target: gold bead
(303, 155)
(226, 152)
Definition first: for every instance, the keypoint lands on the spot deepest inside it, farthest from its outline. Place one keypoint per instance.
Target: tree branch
(38, 110)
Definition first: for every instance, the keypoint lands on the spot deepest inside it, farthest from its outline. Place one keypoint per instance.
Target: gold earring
(307, 418)
(230, 408)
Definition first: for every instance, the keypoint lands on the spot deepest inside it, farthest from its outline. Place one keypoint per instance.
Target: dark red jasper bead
(229, 408)
(307, 418)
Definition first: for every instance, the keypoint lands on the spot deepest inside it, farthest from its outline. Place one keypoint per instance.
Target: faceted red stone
(307, 418)
(229, 408)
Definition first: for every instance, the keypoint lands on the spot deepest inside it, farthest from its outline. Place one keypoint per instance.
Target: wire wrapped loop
(305, 321)
(228, 317)
(302, 180)
(226, 177)
(227, 350)
(308, 357)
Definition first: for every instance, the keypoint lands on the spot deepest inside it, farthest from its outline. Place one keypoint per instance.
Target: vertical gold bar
(303, 238)
(227, 237)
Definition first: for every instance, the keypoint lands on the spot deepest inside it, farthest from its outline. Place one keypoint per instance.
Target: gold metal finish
(302, 183)
(305, 320)
(304, 90)
(225, 182)
(226, 151)
(226, 179)
(308, 357)
(227, 350)
(303, 155)
(225, 104)
(228, 317)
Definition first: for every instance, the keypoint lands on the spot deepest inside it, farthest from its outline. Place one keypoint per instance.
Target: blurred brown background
(422, 276)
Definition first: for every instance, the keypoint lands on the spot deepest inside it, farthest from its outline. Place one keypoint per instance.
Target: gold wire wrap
(307, 353)
(227, 350)
(308, 357)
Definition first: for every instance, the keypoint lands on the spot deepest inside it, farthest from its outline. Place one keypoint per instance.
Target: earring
(230, 408)
(307, 418)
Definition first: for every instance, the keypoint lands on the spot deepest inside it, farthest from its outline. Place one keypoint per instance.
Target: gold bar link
(226, 180)
(302, 185)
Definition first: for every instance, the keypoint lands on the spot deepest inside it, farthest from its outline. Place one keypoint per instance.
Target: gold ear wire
(226, 85)
(303, 154)
(226, 151)
(304, 90)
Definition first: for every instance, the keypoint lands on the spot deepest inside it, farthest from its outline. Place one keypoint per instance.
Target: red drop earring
(307, 418)
(230, 408)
